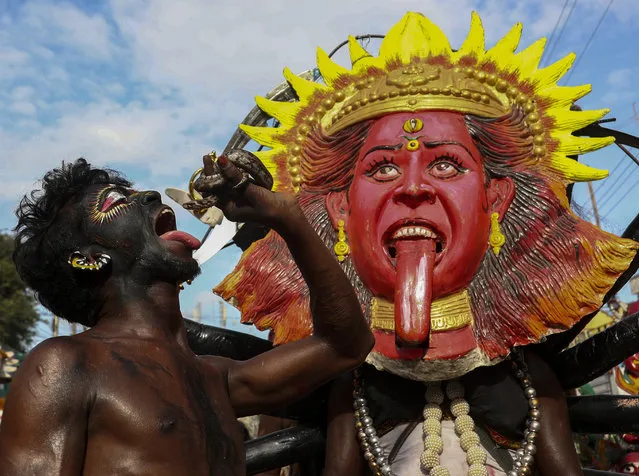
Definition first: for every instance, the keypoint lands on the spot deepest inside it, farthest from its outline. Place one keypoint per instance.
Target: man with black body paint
(128, 396)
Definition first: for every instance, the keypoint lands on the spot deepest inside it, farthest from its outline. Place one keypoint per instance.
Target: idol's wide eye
(629, 469)
(385, 172)
(111, 199)
(446, 167)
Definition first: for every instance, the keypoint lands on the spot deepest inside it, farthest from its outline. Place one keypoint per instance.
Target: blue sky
(148, 87)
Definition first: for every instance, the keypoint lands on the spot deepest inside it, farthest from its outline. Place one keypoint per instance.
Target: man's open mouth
(164, 221)
(165, 228)
(414, 230)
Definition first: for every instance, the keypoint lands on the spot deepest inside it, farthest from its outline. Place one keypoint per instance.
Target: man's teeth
(410, 231)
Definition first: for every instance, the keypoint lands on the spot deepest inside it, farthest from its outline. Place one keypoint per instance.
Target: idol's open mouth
(413, 230)
(164, 221)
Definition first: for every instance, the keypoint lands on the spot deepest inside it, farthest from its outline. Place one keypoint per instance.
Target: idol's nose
(414, 193)
(413, 188)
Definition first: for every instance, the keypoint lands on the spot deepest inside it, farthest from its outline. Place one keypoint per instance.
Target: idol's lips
(413, 230)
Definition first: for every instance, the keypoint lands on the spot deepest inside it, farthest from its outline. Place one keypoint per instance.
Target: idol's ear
(337, 207)
(501, 192)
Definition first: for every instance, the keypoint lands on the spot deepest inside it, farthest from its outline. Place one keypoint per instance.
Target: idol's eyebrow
(384, 147)
(432, 145)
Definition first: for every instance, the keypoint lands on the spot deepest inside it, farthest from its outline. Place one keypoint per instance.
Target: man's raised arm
(341, 338)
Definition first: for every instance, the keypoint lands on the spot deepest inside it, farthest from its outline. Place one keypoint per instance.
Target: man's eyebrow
(384, 147)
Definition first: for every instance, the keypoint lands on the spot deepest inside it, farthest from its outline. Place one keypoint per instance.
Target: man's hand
(226, 186)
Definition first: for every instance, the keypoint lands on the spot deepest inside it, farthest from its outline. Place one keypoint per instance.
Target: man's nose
(149, 197)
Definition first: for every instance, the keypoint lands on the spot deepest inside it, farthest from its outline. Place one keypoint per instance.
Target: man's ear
(501, 193)
(337, 207)
(91, 255)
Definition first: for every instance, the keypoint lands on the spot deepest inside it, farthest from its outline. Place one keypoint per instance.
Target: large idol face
(138, 232)
(440, 186)
(418, 212)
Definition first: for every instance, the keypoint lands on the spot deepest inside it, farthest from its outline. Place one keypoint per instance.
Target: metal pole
(55, 326)
(223, 313)
(594, 204)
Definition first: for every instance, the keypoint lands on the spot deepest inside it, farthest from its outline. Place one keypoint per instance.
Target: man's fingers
(209, 165)
(199, 205)
(229, 171)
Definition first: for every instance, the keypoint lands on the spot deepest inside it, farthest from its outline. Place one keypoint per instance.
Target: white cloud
(22, 92)
(621, 88)
(66, 25)
(23, 107)
(620, 78)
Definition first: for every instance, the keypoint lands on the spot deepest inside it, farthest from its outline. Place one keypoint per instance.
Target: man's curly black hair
(48, 232)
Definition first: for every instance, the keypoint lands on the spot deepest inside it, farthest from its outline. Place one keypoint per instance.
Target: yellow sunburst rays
(512, 78)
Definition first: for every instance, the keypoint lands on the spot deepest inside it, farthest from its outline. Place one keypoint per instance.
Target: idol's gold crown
(417, 70)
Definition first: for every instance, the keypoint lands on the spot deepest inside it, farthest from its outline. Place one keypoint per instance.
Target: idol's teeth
(410, 231)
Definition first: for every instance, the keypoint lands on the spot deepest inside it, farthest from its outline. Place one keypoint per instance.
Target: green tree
(18, 314)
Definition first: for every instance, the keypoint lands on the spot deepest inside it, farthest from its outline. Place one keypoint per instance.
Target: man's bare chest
(164, 407)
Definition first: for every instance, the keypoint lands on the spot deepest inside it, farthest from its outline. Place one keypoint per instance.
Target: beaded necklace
(464, 427)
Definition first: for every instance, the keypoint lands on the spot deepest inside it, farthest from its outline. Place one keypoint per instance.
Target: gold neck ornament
(448, 313)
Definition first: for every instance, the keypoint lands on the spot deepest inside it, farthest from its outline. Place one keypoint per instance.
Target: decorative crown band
(417, 70)
(425, 87)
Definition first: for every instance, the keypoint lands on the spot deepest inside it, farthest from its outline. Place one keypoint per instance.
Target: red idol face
(419, 175)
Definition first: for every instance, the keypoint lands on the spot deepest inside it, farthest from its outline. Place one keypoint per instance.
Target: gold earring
(78, 261)
(341, 248)
(497, 238)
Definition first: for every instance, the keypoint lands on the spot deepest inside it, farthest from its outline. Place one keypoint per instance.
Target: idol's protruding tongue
(413, 289)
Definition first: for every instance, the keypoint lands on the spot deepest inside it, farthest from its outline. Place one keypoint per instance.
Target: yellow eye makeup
(107, 204)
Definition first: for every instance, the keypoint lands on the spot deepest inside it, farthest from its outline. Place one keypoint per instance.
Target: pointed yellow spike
(572, 145)
(474, 44)
(266, 136)
(271, 159)
(414, 36)
(356, 50)
(553, 73)
(283, 111)
(305, 89)
(510, 41)
(573, 171)
(502, 54)
(575, 120)
(530, 58)
(329, 70)
(564, 96)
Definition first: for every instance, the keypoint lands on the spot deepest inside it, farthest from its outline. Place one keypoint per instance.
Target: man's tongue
(413, 289)
(188, 240)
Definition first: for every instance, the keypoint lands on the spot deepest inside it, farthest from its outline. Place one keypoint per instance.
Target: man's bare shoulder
(58, 360)
(52, 382)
